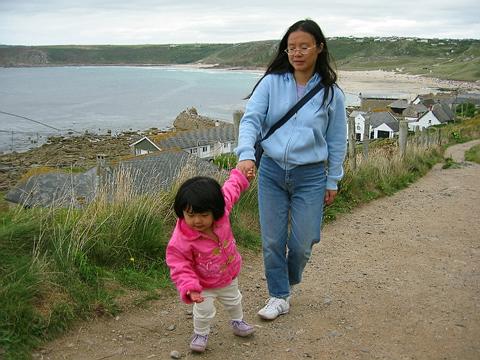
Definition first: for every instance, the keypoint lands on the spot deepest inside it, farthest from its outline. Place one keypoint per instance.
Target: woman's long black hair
(280, 63)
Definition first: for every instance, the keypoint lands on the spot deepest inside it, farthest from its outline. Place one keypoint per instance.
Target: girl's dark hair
(200, 194)
(280, 63)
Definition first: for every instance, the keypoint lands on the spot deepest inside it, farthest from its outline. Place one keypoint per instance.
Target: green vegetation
(466, 110)
(61, 265)
(385, 171)
(473, 154)
(441, 58)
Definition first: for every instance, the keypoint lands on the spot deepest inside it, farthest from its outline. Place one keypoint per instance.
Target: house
(205, 143)
(413, 111)
(55, 189)
(398, 106)
(359, 120)
(428, 100)
(144, 146)
(381, 124)
(143, 175)
(438, 114)
(375, 103)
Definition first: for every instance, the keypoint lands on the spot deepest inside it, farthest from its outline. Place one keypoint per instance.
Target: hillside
(441, 58)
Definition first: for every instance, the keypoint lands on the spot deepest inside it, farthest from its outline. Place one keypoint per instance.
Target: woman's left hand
(330, 196)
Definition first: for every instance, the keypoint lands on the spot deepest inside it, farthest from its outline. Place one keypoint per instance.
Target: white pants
(203, 313)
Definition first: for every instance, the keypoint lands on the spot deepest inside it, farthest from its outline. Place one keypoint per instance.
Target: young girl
(202, 256)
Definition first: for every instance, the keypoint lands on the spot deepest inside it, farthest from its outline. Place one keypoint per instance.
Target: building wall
(144, 147)
(211, 151)
(425, 121)
(385, 128)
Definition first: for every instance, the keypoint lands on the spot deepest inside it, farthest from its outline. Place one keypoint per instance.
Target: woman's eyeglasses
(303, 50)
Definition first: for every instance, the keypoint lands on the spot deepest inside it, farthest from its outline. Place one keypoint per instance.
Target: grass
(61, 265)
(473, 154)
(383, 173)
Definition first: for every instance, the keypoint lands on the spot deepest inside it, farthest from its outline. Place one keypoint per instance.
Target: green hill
(442, 58)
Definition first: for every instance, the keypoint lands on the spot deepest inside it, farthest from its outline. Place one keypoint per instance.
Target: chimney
(101, 164)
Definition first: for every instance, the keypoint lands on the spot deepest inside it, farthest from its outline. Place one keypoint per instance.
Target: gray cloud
(30, 22)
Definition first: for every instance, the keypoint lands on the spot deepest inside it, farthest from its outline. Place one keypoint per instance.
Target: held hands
(196, 297)
(247, 167)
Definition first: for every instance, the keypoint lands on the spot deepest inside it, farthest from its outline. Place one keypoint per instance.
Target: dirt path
(398, 278)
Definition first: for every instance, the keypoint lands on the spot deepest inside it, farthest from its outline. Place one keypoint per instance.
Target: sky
(117, 22)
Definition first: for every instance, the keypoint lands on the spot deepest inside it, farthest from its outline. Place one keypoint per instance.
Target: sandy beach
(378, 82)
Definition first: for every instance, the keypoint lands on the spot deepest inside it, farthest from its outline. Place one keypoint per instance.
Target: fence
(424, 138)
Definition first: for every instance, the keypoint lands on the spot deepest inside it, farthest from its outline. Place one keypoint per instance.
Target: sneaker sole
(272, 318)
(200, 350)
(244, 333)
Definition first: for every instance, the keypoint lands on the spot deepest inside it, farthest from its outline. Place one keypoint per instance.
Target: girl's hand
(250, 174)
(196, 297)
(247, 167)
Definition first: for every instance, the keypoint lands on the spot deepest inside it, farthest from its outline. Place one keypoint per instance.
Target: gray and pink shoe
(241, 328)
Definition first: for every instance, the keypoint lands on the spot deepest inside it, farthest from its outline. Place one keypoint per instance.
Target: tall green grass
(473, 154)
(58, 265)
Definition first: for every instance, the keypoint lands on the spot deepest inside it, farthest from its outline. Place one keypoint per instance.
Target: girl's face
(303, 51)
(202, 222)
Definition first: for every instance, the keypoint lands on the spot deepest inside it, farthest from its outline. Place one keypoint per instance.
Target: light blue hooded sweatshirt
(314, 134)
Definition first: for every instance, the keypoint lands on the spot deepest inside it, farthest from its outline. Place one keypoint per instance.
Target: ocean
(39, 102)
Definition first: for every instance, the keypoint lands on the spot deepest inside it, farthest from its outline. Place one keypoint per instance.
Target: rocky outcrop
(77, 152)
(80, 152)
(190, 119)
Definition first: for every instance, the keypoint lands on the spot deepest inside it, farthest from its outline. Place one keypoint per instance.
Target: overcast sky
(52, 22)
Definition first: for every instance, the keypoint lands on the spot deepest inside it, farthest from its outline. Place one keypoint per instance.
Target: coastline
(374, 82)
(370, 82)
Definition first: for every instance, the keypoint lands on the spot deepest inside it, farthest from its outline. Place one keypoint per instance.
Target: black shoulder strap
(294, 109)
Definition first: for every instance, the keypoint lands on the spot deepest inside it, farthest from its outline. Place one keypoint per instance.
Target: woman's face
(303, 51)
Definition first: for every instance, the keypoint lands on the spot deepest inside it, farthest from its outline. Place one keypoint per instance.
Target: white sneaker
(274, 308)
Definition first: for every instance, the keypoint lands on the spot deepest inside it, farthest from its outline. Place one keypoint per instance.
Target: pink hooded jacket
(197, 261)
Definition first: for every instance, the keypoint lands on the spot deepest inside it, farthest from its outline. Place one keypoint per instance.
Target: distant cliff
(442, 58)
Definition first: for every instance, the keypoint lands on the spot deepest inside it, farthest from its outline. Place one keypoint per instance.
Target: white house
(438, 114)
(144, 146)
(359, 117)
(382, 124)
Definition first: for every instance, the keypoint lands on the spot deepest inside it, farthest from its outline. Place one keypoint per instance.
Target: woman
(302, 161)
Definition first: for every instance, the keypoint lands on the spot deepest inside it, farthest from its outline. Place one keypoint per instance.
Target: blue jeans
(291, 208)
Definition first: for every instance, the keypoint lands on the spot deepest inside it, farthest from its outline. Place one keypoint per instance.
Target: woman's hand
(330, 196)
(247, 167)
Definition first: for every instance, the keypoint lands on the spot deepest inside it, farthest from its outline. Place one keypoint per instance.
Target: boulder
(190, 119)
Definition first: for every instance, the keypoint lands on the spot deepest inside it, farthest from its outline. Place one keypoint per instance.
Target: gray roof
(414, 110)
(354, 113)
(143, 174)
(159, 170)
(399, 104)
(442, 112)
(384, 117)
(56, 188)
(200, 137)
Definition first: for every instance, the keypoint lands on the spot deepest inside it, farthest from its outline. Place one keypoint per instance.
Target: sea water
(39, 102)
